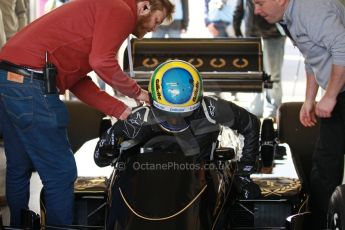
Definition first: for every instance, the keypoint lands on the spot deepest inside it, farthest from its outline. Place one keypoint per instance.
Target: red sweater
(80, 36)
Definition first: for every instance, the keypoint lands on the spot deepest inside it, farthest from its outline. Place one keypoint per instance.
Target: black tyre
(336, 209)
(267, 142)
(267, 130)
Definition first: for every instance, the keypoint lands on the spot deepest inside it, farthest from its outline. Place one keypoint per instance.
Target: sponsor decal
(196, 91)
(176, 109)
(159, 95)
(211, 109)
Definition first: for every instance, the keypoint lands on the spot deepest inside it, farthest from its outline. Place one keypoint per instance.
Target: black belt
(21, 70)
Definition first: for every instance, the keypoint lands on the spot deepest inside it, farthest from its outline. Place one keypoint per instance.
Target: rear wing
(229, 64)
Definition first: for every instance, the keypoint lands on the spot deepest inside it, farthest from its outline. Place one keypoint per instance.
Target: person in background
(179, 109)
(218, 17)
(273, 46)
(68, 42)
(317, 28)
(2, 32)
(14, 16)
(179, 23)
(218, 20)
(52, 4)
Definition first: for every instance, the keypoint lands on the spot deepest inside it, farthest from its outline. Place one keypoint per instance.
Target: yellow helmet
(176, 91)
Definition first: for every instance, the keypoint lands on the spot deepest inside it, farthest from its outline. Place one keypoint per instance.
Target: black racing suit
(205, 126)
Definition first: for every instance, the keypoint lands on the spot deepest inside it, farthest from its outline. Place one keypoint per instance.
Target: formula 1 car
(158, 188)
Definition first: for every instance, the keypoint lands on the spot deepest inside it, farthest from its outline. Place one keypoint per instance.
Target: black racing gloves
(245, 187)
(106, 150)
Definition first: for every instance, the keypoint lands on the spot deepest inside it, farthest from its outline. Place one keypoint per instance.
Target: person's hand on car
(125, 113)
(143, 97)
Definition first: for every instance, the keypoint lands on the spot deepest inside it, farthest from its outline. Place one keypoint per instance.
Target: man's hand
(325, 106)
(143, 97)
(335, 84)
(307, 114)
(125, 114)
(212, 29)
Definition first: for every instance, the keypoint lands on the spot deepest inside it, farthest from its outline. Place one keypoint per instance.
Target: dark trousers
(328, 162)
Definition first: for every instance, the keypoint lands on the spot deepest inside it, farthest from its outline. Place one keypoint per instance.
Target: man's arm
(107, 41)
(245, 123)
(325, 28)
(326, 105)
(87, 91)
(307, 112)
(248, 125)
(21, 10)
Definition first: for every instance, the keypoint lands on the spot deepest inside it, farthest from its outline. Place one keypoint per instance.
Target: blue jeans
(161, 32)
(266, 105)
(172, 31)
(35, 137)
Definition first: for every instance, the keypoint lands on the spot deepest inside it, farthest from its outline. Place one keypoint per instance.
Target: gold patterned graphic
(217, 62)
(150, 62)
(240, 62)
(278, 186)
(197, 62)
(90, 184)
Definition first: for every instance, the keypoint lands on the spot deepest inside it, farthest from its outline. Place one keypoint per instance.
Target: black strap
(286, 30)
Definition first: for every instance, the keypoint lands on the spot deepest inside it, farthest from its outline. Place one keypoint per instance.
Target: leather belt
(21, 70)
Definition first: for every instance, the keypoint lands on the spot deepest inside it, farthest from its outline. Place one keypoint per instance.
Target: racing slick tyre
(336, 209)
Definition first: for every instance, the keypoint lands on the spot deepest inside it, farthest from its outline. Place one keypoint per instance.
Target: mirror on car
(224, 154)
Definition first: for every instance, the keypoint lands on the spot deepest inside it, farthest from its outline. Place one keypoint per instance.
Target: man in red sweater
(78, 37)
